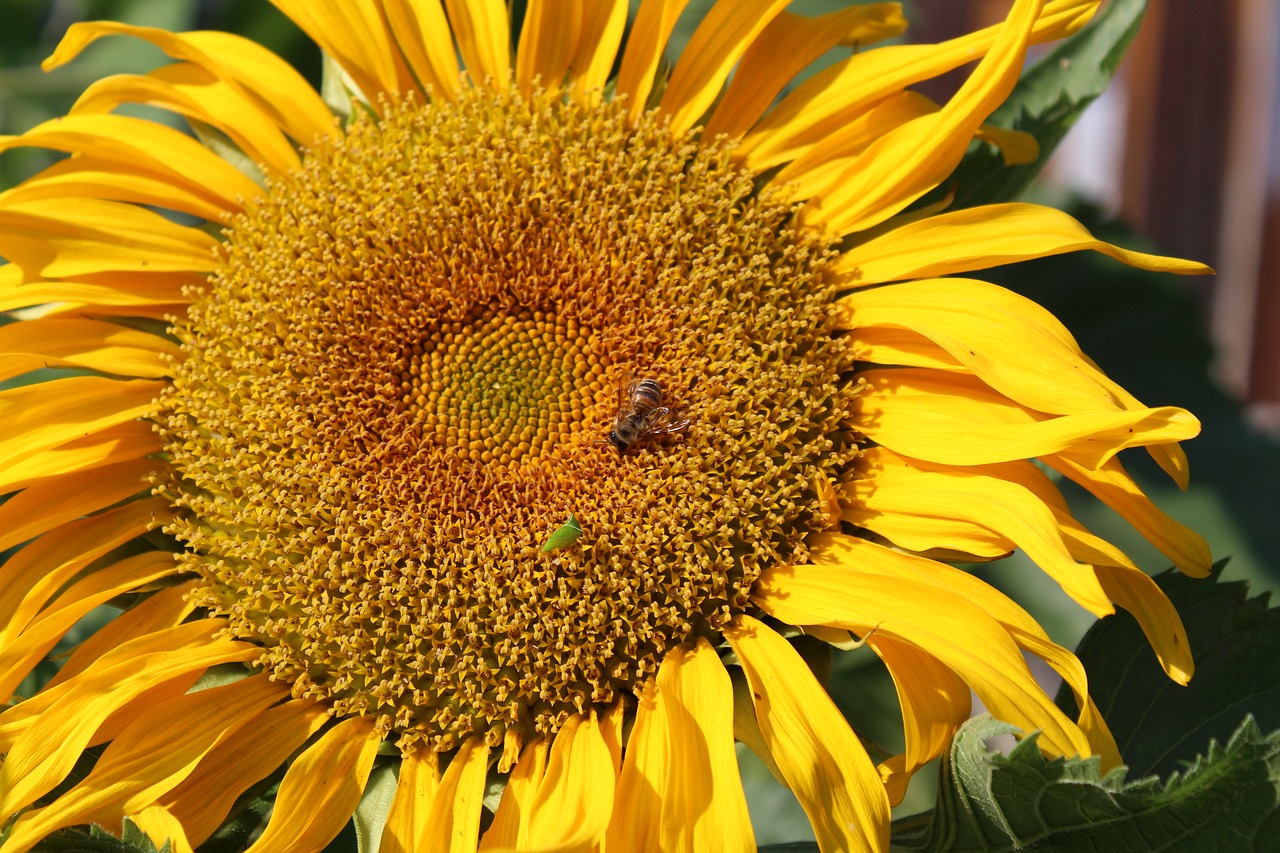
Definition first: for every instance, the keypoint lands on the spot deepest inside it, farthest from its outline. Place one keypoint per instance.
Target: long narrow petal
(640, 58)
(21, 654)
(58, 500)
(788, 45)
(163, 611)
(645, 782)
(50, 238)
(144, 147)
(161, 826)
(958, 420)
(914, 158)
(978, 238)
(34, 574)
(1010, 342)
(823, 762)
(1112, 485)
(192, 91)
(920, 506)
(934, 700)
(574, 802)
(415, 789)
(44, 754)
(834, 97)
(854, 554)
(134, 294)
(255, 72)
(355, 35)
(150, 756)
(321, 789)
(548, 42)
(714, 48)
(483, 35)
(1138, 594)
(932, 620)
(512, 822)
(423, 33)
(454, 822)
(97, 345)
(602, 24)
(251, 753)
(706, 808)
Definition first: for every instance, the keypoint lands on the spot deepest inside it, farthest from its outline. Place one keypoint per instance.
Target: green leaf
(1046, 103)
(564, 536)
(1226, 800)
(1158, 723)
(371, 815)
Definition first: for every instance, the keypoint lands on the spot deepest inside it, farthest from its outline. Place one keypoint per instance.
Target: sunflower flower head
(329, 453)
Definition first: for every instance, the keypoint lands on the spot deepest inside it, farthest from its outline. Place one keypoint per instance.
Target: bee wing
(660, 422)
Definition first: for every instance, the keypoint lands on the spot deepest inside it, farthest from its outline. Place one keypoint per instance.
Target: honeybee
(641, 414)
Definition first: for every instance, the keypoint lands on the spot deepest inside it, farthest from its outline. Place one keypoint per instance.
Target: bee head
(617, 442)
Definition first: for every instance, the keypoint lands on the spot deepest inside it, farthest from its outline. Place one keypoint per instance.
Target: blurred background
(1181, 157)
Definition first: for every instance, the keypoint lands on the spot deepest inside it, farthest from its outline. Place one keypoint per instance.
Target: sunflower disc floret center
(400, 383)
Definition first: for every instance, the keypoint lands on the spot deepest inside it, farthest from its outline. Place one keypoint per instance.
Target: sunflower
(505, 416)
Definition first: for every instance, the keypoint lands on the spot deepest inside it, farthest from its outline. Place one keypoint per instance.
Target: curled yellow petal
(823, 762)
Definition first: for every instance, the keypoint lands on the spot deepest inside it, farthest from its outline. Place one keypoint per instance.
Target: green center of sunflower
(402, 379)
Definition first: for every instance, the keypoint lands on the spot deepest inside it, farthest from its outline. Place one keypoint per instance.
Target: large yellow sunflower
(516, 419)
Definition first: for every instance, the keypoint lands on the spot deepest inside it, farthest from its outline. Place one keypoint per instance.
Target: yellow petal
(161, 827)
(48, 237)
(914, 158)
(602, 24)
(454, 822)
(978, 238)
(958, 420)
(47, 750)
(151, 755)
(548, 42)
(1017, 147)
(38, 417)
(705, 808)
(269, 82)
(823, 762)
(714, 48)
(645, 783)
(19, 656)
(129, 440)
(94, 344)
(837, 95)
(422, 31)
(62, 499)
(640, 58)
(512, 822)
(133, 294)
(144, 148)
(40, 569)
(859, 555)
(1010, 342)
(482, 31)
(934, 700)
(415, 789)
(321, 789)
(250, 753)
(192, 91)
(574, 802)
(785, 48)
(356, 37)
(948, 627)
(920, 506)
(1112, 485)
(1138, 594)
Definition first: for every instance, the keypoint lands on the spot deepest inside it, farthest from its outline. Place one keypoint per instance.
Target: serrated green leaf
(1046, 103)
(564, 535)
(371, 814)
(1225, 800)
(95, 839)
(1157, 723)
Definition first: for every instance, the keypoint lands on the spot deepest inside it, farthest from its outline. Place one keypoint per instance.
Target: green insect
(565, 535)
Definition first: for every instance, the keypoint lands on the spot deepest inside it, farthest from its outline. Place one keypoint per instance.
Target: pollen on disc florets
(399, 382)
